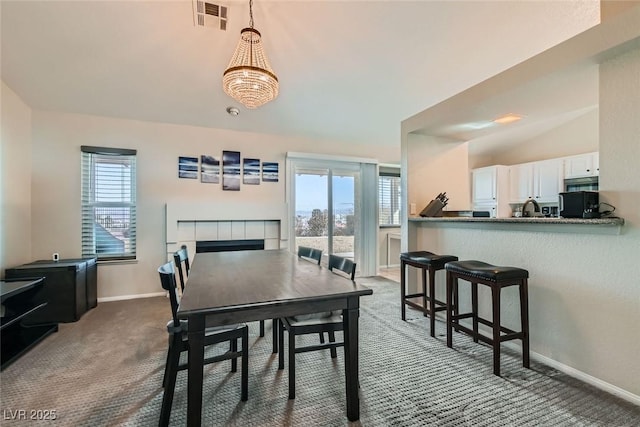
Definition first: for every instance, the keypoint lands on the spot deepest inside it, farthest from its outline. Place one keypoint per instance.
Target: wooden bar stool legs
(524, 321)
(428, 263)
(477, 272)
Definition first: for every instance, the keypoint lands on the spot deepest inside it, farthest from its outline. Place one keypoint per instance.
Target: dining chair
(179, 343)
(310, 254)
(342, 264)
(329, 322)
(180, 257)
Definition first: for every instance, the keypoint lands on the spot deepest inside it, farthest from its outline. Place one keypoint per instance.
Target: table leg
(350, 322)
(196, 365)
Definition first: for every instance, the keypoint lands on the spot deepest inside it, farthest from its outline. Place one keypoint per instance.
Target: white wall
(578, 136)
(57, 138)
(393, 246)
(447, 171)
(15, 180)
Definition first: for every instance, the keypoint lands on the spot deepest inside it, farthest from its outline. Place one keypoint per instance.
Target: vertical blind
(389, 199)
(108, 203)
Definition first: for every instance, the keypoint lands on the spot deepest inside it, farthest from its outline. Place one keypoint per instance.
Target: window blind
(108, 203)
(389, 199)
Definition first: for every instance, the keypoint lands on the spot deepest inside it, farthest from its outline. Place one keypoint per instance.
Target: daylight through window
(389, 198)
(108, 203)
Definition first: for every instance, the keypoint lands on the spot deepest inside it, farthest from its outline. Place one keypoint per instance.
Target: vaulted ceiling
(349, 70)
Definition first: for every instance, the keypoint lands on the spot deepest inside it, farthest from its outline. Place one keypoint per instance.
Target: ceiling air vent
(207, 14)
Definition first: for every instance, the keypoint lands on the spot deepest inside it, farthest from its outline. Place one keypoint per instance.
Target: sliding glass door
(328, 209)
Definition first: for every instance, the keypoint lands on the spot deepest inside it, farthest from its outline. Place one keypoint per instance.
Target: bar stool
(426, 261)
(478, 272)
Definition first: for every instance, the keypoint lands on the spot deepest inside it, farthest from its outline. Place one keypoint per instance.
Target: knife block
(434, 208)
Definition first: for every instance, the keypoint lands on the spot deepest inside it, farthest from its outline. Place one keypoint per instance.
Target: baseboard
(125, 297)
(572, 372)
(389, 266)
(565, 369)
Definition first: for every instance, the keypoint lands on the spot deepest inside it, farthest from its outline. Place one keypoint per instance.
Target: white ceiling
(348, 71)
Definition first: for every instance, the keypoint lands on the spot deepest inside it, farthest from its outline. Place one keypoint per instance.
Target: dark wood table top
(225, 282)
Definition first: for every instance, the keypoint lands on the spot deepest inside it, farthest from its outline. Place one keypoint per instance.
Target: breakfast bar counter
(608, 225)
(580, 283)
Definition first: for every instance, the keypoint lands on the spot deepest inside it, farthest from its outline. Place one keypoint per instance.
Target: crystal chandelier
(249, 78)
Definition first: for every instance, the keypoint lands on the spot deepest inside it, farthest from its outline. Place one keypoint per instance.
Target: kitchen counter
(609, 225)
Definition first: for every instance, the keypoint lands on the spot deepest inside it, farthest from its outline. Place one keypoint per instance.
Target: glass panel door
(311, 213)
(345, 214)
(334, 229)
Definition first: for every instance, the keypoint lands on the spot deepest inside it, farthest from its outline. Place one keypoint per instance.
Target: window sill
(117, 261)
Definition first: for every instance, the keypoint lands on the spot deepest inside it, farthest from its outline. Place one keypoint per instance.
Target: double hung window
(389, 198)
(108, 203)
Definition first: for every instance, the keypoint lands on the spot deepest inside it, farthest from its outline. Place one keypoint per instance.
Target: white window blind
(108, 203)
(389, 199)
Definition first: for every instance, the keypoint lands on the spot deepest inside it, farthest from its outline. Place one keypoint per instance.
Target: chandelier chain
(251, 14)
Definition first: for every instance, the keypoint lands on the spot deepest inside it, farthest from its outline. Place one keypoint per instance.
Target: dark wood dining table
(232, 287)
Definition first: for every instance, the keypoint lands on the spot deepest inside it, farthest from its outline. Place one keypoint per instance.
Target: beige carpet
(106, 370)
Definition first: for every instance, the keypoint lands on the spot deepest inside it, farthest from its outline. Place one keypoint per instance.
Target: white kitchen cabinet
(484, 185)
(547, 180)
(489, 190)
(541, 181)
(582, 165)
(520, 182)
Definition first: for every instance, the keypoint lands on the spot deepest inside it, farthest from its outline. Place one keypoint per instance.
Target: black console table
(17, 307)
(70, 288)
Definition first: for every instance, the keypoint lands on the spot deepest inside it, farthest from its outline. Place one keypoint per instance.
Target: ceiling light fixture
(249, 79)
(233, 111)
(508, 118)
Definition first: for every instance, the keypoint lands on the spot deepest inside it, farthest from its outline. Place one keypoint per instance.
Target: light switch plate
(412, 209)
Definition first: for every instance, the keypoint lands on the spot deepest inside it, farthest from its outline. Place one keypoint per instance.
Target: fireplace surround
(229, 224)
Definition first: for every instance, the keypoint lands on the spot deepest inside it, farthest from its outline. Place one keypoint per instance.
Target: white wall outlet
(412, 208)
(56, 257)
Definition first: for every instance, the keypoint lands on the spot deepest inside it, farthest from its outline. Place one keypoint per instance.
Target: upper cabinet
(582, 165)
(489, 190)
(484, 185)
(547, 181)
(541, 181)
(520, 182)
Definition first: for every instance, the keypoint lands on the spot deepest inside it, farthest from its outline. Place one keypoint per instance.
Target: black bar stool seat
(496, 277)
(427, 262)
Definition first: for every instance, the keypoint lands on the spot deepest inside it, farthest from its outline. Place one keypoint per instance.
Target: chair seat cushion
(316, 318)
(482, 270)
(427, 258)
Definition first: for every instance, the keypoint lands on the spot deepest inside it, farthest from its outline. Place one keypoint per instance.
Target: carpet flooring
(106, 370)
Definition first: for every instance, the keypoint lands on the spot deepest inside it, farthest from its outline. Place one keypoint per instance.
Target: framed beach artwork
(188, 167)
(270, 172)
(231, 170)
(251, 171)
(210, 169)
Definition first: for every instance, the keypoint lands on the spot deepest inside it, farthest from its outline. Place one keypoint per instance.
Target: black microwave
(579, 204)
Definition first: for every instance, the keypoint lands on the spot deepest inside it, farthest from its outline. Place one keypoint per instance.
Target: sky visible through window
(311, 193)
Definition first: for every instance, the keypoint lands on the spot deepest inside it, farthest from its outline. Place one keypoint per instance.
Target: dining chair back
(345, 265)
(168, 281)
(178, 343)
(303, 252)
(320, 323)
(180, 257)
(310, 253)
